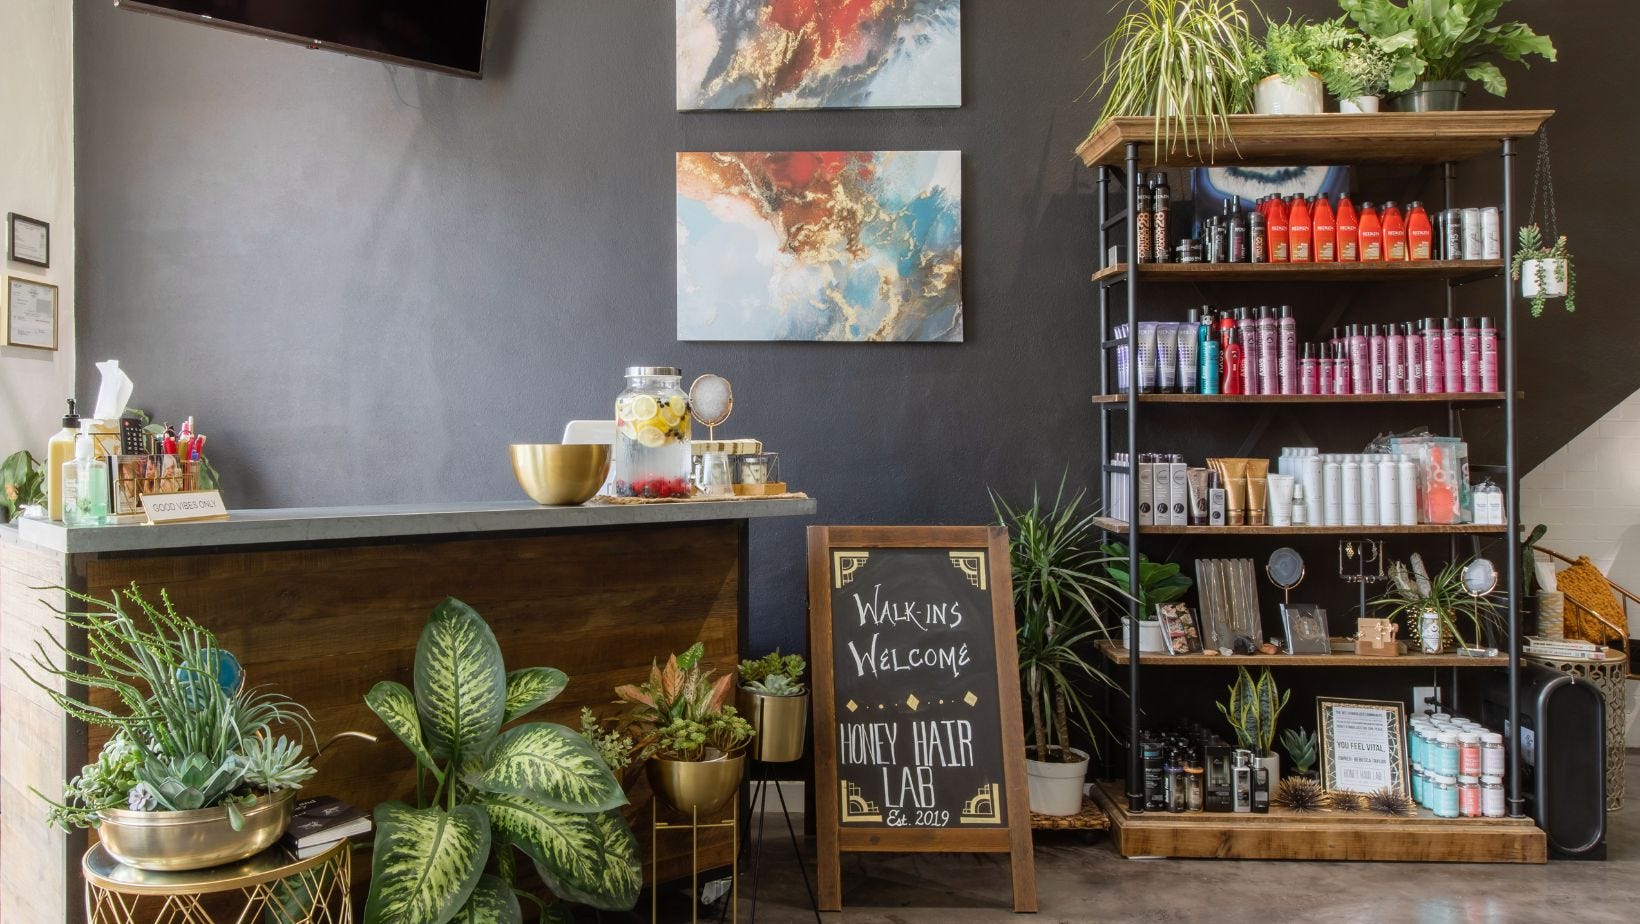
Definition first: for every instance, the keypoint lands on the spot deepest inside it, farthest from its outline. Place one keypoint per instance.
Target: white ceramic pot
(1151, 639)
(1271, 762)
(1056, 788)
(1276, 96)
(1359, 104)
(1554, 278)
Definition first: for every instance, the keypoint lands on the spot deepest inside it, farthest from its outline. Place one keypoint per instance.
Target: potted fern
(1287, 66)
(1544, 272)
(490, 792)
(773, 698)
(193, 775)
(1252, 711)
(1438, 46)
(1358, 75)
(693, 742)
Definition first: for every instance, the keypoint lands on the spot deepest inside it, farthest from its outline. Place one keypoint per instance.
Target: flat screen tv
(444, 35)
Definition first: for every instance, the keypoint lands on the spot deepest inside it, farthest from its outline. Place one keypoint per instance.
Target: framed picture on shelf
(1363, 744)
(1179, 628)
(30, 240)
(1306, 626)
(31, 314)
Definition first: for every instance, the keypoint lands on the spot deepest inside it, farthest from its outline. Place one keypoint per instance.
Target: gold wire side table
(269, 887)
(694, 826)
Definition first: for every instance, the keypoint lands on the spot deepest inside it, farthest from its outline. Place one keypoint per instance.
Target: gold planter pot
(701, 786)
(198, 839)
(782, 724)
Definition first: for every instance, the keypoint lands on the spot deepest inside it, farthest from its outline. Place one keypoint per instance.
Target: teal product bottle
(1208, 352)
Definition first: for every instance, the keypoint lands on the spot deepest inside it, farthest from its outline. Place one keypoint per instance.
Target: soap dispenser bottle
(86, 503)
(60, 453)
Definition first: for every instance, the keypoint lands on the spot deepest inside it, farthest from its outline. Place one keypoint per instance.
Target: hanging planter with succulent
(1544, 271)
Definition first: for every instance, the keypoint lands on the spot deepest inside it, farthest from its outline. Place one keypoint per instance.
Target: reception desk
(320, 604)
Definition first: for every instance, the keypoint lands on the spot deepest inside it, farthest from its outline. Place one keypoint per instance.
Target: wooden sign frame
(833, 838)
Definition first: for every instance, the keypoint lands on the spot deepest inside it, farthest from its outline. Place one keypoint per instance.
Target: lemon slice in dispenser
(644, 407)
(651, 437)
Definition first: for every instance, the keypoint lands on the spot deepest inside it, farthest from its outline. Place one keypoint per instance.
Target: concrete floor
(1078, 881)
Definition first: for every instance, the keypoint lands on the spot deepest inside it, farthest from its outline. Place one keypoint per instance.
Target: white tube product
(1281, 499)
(1389, 492)
(1406, 481)
(1332, 487)
(1301, 509)
(1369, 490)
(1161, 491)
(1180, 473)
(1147, 490)
(1350, 478)
(1145, 362)
(1309, 470)
(1189, 337)
(1167, 353)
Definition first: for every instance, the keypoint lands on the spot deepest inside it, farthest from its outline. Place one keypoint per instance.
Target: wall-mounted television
(444, 35)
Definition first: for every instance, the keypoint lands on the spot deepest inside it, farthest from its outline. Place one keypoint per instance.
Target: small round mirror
(1480, 577)
(711, 399)
(1286, 568)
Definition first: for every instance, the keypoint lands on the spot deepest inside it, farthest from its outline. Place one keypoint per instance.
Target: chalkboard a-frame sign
(919, 742)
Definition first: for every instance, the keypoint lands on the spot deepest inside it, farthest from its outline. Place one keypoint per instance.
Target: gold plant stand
(311, 891)
(694, 826)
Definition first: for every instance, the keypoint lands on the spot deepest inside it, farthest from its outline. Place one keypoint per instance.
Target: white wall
(1588, 493)
(37, 180)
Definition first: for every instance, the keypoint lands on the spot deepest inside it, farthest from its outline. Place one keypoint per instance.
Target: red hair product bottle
(1234, 370)
(1420, 235)
(1280, 246)
(1326, 231)
(1371, 232)
(1395, 234)
(1300, 232)
(1349, 228)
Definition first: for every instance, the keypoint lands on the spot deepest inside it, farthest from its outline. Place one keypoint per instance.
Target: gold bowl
(555, 474)
(197, 839)
(698, 785)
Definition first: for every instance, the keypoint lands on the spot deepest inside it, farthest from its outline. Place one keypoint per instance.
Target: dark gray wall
(365, 281)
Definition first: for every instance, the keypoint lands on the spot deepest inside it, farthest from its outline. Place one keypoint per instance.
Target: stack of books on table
(316, 824)
(1564, 649)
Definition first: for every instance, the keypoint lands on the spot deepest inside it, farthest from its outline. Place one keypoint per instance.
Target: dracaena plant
(681, 713)
(1447, 40)
(187, 733)
(774, 674)
(498, 790)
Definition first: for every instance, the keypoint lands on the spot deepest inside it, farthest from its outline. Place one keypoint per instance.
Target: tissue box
(1443, 478)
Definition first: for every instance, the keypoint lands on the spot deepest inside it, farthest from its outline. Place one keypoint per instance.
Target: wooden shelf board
(1329, 138)
(1468, 398)
(1287, 835)
(1302, 272)
(1463, 529)
(1117, 653)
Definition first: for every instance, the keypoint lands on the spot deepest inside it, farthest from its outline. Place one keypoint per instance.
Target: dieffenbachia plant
(534, 788)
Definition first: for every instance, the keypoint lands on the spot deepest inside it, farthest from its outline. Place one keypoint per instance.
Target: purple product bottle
(1471, 336)
(1341, 370)
(1309, 375)
(1452, 348)
(1395, 346)
(1415, 359)
(1360, 362)
(1376, 349)
(1434, 358)
(1290, 373)
(1489, 356)
(1269, 361)
(1247, 335)
(1325, 364)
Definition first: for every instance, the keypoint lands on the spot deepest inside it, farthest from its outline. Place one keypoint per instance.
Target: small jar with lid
(1442, 792)
(1418, 777)
(1469, 796)
(652, 456)
(1492, 755)
(1445, 762)
(1492, 802)
(1469, 754)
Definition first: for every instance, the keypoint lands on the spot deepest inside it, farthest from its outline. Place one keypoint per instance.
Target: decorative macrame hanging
(1542, 263)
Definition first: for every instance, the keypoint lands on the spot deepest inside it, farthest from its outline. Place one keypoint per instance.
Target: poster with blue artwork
(846, 246)
(818, 54)
(1211, 187)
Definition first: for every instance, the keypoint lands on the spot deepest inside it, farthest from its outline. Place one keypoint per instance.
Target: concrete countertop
(297, 525)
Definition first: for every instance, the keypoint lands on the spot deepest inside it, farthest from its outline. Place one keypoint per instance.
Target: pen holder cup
(136, 476)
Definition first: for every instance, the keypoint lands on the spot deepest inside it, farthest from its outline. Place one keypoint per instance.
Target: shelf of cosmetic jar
(1455, 270)
(1118, 653)
(1454, 398)
(1427, 529)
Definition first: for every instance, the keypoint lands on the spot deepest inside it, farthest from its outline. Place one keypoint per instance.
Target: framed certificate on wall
(30, 239)
(1363, 745)
(31, 314)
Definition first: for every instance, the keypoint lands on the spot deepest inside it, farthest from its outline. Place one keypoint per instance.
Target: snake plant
(498, 790)
(1253, 708)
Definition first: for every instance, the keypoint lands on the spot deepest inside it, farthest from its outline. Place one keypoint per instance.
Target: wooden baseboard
(1284, 835)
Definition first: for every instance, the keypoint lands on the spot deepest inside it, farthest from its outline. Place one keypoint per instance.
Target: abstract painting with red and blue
(819, 54)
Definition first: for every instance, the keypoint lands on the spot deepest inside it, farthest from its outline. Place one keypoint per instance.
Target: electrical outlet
(1421, 697)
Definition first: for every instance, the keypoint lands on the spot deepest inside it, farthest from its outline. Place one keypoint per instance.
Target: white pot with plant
(1544, 272)
(1287, 66)
(1439, 46)
(1057, 595)
(1183, 62)
(1358, 74)
(1251, 712)
(1159, 583)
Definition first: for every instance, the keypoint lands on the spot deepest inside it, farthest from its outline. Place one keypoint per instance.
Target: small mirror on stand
(1305, 624)
(711, 400)
(1285, 570)
(1480, 578)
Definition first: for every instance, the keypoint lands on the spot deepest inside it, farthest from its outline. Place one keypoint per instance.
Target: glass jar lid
(653, 370)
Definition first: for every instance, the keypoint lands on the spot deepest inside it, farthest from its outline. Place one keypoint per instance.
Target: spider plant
(1413, 592)
(1058, 590)
(1184, 62)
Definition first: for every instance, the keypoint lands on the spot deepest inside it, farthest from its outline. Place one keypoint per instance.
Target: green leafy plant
(1058, 592)
(1182, 61)
(187, 735)
(680, 713)
(1360, 68)
(774, 674)
(498, 790)
(1447, 40)
(1301, 745)
(1413, 592)
(1528, 558)
(1253, 708)
(1532, 248)
(614, 747)
(1158, 582)
(1294, 49)
(21, 483)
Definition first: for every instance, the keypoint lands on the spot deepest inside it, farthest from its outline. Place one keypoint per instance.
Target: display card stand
(694, 826)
